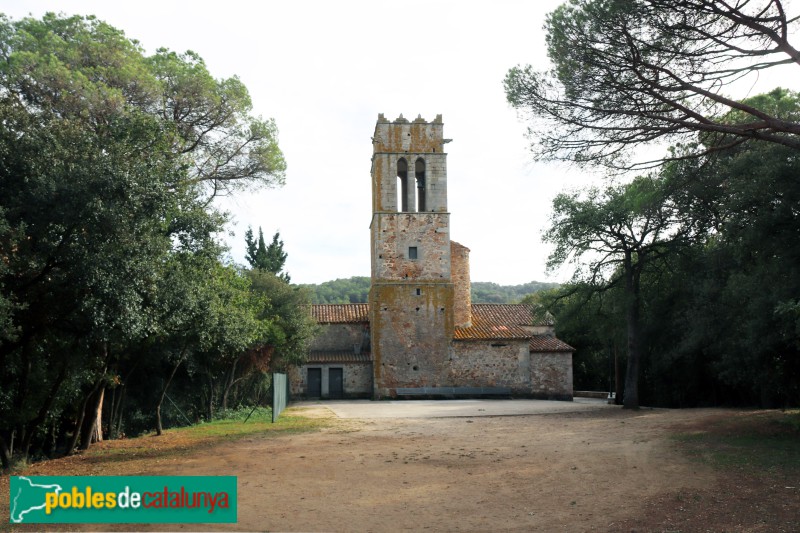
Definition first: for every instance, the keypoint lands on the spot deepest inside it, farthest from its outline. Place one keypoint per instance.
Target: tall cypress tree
(266, 258)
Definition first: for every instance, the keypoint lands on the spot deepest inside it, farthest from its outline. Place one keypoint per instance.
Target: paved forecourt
(454, 408)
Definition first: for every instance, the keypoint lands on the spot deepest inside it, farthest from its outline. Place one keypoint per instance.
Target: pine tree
(270, 258)
(276, 257)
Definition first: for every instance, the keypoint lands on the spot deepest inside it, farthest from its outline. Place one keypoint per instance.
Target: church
(420, 335)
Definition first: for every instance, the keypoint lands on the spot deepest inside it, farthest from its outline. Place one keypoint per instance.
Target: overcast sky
(324, 70)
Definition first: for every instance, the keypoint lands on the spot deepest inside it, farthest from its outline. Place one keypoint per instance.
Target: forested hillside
(492, 293)
(356, 290)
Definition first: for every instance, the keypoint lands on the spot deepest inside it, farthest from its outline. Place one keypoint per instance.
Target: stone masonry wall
(385, 181)
(459, 273)
(411, 335)
(297, 381)
(401, 135)
(393, 235)
(357, 379)
(492, 364)
(411, 141)
(337, 337)
(551, 375)
(411, 299)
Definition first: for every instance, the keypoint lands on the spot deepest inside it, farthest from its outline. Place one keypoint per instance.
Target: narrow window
(402, 189)
(412, 252)
(419, 172)
(419, 292)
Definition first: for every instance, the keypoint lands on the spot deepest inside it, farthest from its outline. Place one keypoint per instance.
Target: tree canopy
(356, 290)
(612, 237)
(270, 258)
(718, 316)
(84, 69)
(111, 277)
(627, 74)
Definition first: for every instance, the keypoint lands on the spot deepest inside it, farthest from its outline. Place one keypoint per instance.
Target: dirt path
(567, 472)
(597, 470)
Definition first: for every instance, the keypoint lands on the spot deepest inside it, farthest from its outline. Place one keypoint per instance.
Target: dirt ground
(606, 470)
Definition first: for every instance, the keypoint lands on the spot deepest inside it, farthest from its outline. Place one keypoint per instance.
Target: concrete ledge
(590, 394)
(453, 391)
(551, 396)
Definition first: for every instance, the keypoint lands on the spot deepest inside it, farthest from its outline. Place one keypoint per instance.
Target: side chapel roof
(545, 343)
(340, 313)
(502, 321)
(489, 321)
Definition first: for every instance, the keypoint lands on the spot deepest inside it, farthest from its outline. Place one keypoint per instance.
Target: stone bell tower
(411, 298)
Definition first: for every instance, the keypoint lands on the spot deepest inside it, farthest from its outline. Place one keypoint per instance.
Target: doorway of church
(336, 383)
(314, 383)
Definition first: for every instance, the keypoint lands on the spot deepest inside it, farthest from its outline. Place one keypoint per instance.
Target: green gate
(280, 394)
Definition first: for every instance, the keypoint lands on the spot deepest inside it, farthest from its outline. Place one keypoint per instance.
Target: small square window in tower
(412, 252)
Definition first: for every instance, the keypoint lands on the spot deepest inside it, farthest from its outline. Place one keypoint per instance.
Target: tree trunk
(5, 454)
(159, 428)
(73, 442)
(112, 411)
(120, 412)
(210, 398)
(41, 416)
(93, 407)
(24, 376)
(98, 428)
(87, 416)
(115, 423)
(631, 400)
(81, 432)
(49, 448)
(230, 382)
(21, 398)
(618, 390)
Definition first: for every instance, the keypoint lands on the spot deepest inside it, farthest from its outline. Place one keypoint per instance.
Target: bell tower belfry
(411, 297)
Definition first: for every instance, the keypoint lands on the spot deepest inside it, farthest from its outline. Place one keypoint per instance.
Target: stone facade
(462, 285)
(341, 337)
(394, 236)
(411, 332)
(409, 141)
(420, 329)
(551, 375)
(411, 298)
(492, 363)
(357, 380)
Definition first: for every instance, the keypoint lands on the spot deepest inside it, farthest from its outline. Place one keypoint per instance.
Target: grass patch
(178, 441)
(234, 428)
(245, 413)
(766, 442)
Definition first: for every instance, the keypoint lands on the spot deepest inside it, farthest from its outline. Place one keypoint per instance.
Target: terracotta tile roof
(482, 330)
(543, 343)
(340, 313)
(338, 357)
(489, 321)
(504, 322)
(510, 314)
(497, 321)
